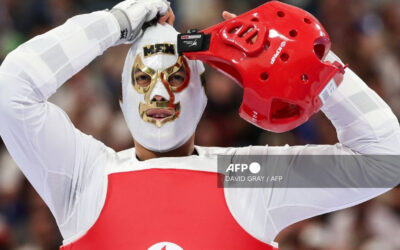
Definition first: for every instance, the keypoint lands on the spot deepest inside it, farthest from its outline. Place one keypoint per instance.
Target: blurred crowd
(365, 34)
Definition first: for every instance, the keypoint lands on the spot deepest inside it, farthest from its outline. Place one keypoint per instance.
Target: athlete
(163, 193)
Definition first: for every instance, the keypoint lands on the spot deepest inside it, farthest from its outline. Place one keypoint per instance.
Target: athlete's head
(162, 93)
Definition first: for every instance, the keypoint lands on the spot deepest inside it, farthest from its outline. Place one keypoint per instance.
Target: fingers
(227, 15)
(169, 18)
(163, 19)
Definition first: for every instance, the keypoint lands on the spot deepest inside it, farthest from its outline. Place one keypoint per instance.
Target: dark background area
(365, 34)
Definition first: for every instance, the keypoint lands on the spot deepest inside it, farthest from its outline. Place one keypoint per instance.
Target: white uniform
(69, 169)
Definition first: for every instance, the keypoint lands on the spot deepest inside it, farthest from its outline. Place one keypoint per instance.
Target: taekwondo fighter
(162, 194)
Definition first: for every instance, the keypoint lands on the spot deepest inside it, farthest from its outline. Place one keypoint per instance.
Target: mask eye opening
(178, 78)
(140, 78)
(186, 71)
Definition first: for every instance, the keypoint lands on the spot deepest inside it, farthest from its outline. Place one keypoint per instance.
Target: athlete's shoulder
(120, 160)
(214, 151)
(126, 154)
(247, 150)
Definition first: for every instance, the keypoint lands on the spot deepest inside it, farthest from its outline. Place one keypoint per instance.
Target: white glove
(132, 14)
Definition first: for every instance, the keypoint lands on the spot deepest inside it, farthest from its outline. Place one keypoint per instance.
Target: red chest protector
(182, 207)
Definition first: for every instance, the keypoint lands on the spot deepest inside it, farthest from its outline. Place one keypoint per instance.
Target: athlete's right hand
(228, 15)
(132, 14)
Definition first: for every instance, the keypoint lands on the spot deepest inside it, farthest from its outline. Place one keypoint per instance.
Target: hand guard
(132, 14)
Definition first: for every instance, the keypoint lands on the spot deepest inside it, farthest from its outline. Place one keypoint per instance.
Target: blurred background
(365, 34)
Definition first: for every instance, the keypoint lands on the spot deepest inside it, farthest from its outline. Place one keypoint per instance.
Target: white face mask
(162, 94)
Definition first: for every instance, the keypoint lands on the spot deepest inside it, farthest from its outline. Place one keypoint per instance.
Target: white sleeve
(365, 126)
(57, 159)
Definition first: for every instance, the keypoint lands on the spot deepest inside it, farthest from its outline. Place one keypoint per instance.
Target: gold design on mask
(144, 79)
(138, 66)
(144, 108)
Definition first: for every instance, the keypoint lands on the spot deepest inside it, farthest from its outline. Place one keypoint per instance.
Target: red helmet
(276, 53)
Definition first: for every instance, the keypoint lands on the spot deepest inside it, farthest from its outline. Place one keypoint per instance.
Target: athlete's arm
(59, 160)
(365, 125)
